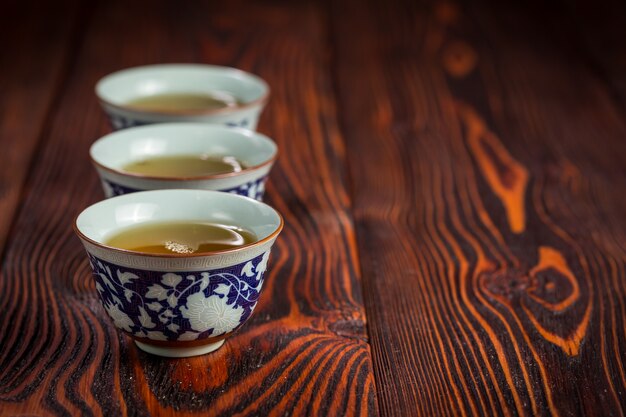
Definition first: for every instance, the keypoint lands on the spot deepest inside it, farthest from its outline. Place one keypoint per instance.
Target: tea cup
(118, 90)
(178, 305)
(111, 153)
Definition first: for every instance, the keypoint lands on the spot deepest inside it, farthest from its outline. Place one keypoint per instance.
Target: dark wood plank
(487, 172)
(305, 351)
(601, 30)
(36, 47)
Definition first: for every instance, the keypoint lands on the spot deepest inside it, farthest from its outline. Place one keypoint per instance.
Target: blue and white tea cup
(111, 153)
(116, 90)
(178, 305)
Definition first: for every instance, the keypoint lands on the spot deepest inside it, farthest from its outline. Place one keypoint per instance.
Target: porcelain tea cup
(178, 305)
(112, 152)
(116, 92)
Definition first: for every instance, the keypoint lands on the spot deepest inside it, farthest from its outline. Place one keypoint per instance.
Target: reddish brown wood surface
(451, 175)
(305, 350)
(601, 28)
(490, 232)
(37, 46)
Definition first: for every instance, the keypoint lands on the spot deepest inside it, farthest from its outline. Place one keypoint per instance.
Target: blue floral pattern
(253, 189)
(180, 306)
(117, 189)
(119, 122)
(242, 123)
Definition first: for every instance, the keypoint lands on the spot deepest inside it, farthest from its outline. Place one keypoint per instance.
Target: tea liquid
(183, 102)
(181, 237)
(185, 166)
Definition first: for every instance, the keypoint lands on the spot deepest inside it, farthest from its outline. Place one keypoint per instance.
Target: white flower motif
(206, 277)
(262, 266)
(203, 313)
(126, 277)
(247, 269)
(172, 300)
(211, 313)
(156, 335)
(260, 188)
(166, 315)
(188, 336)
(252, 191)
(154, 306)
(223, 289)
(120, 319)
(156, 291)
(171, 280)
(144, 319)
(106, 281)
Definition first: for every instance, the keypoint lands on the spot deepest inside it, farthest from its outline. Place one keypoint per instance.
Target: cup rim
(225, 110)
(239, 130)
(260, 242)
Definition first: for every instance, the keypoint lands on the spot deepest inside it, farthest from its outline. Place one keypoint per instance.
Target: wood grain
(305, 350)
(476, 147)
(28, 87)
(600, 30)
(489, 228)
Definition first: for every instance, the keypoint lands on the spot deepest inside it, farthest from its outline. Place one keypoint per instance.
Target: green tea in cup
(175, 93)
(184, 155)
(156, 274)
(185, 166)
(181, 238)
(176, 102)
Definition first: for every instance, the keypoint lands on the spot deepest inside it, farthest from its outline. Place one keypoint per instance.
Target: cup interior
(125, 85)
(108, 217)
(116, 150)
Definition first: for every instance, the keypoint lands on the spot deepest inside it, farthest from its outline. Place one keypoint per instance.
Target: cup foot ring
(179, 352)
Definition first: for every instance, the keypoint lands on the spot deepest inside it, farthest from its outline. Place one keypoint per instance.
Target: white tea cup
(111, 153)
(116, 92)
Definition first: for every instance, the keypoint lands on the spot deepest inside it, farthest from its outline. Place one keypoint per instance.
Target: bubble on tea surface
(178, 247)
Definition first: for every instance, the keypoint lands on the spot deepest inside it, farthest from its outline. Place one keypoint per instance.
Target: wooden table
(452, 178)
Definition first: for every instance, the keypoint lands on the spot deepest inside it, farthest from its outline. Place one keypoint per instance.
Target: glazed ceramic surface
(178, 305)
(115, 90)
(114, 151)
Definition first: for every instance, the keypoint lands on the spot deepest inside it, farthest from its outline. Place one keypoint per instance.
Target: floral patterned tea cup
(116, 90)
(178, 305)
(112, 152)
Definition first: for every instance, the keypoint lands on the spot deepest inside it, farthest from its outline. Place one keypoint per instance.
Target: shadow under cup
(178, 305)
